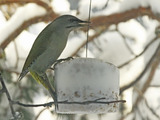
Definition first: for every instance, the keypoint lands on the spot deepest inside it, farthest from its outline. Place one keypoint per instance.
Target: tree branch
(38, 2)
(154, 67)
(49, 16)
(143, 72)
(123, 17)
(8, 95)
(96, 21)
(46, 17)
(144, 50)
(49, 104)
(141, 95)
(106, 21)
(90, 39)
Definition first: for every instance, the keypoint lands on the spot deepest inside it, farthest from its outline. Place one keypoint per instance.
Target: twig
(144, 50)
(90, 39)
(49, 16)
(151, 109)
(99, 21)
(125, 42)
(143, 72)
(66, 102)
(142, 96)
(38, 2)
(154, 67)
(105, 5)
(2, 91)
(8, 96)
(36, 118)
(122, 17)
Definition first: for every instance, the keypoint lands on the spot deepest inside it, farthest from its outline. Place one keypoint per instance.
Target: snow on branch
(38, 2)
(122, 17)
(21, 15)
(23, 18)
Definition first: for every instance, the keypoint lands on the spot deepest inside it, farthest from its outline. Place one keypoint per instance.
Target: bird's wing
(39, 46)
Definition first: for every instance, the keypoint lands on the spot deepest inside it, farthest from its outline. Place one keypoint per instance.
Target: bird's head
(69, 22)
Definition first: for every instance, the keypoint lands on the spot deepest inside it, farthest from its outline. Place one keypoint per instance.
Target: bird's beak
(83, 23)
(79, 23)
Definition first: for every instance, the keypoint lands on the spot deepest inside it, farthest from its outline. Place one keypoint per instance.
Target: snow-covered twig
(144, 50)
(151, 62)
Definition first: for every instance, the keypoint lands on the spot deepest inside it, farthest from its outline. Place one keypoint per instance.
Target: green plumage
(47, 48)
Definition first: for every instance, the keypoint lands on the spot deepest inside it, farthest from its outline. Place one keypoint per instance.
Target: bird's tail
(45, 82)
(23, 73)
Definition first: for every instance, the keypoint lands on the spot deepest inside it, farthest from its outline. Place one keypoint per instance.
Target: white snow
(136, 31)
(22, 14)
(96, 8)
(111, 43)
(74, 42)
(131, 4)
(61, 6)
(2, 20)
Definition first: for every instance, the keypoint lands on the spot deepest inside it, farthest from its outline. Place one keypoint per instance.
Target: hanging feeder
(86, 85)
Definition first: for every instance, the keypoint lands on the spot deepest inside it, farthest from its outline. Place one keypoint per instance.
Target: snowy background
(131, 37)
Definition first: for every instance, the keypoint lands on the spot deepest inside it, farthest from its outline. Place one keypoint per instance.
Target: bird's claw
(59, 61)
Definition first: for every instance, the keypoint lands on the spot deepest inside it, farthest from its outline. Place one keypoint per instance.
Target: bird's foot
(60, 61)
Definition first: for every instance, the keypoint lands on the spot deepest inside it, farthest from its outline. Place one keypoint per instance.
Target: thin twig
(105, 5)
(8, 95)
(36, 118)
(90, 39)
(38, 2)
(144, 50)
(49, 104)
(143, 72)
(2, 91)
(141, 94)
(154, 67)
(125, 42)
(151, 109)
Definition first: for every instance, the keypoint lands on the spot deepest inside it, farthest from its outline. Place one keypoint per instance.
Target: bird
(47, 48)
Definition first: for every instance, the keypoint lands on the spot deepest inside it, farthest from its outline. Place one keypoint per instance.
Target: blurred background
(125, 33)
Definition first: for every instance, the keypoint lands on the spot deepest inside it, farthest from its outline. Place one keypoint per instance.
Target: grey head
(69, 22)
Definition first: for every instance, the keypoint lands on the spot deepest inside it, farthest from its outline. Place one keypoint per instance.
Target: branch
(91, 38)
(123, 17)
(49, 16)
(106, 21)
(141, 94)
(4, 88)
(37, 116)
(38, 2)
(125, 42)
(144, 50)
(154, 67)
(143, 72)
(49, 104)
(96, 21)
